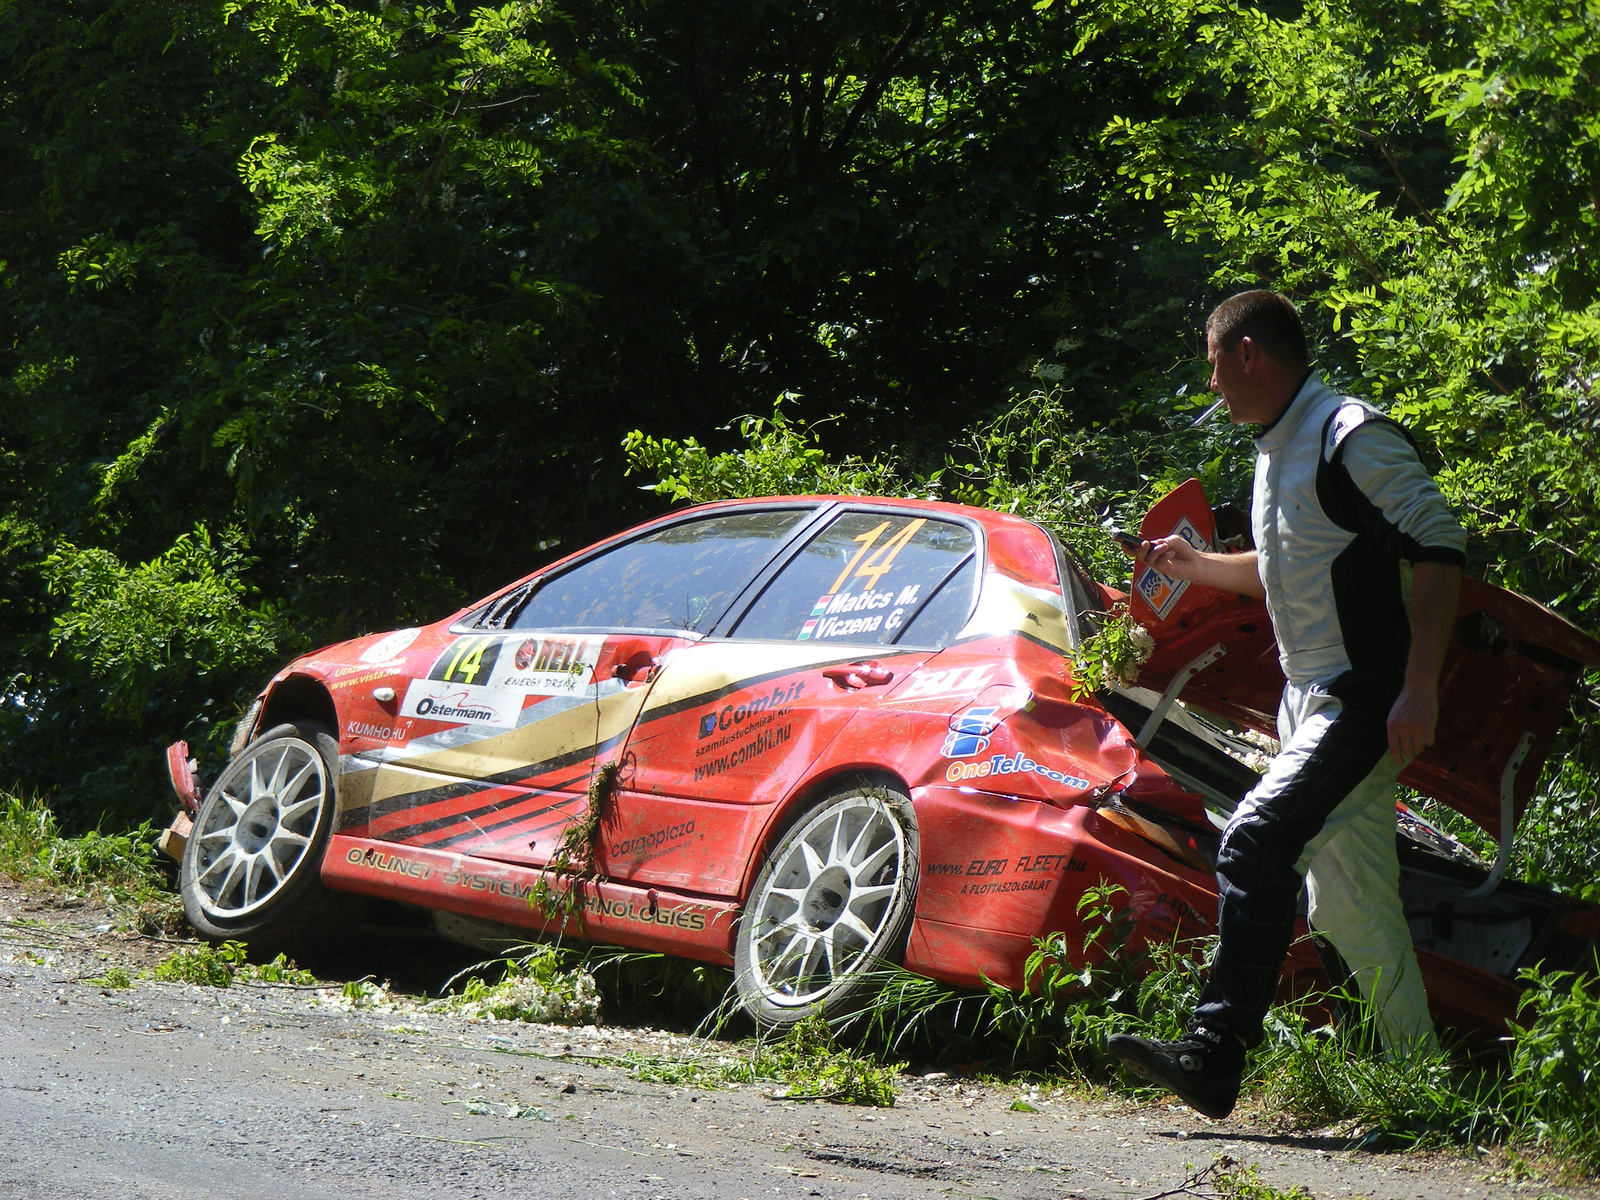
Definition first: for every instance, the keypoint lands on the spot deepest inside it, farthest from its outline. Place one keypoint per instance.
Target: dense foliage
(321, 318)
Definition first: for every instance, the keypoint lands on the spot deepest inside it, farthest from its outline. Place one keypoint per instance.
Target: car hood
(1503, 693)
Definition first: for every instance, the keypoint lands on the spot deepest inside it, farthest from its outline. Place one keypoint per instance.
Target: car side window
(869, 577)
(679, 578)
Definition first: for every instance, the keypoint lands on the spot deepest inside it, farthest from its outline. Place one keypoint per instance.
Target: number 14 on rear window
(876, 567)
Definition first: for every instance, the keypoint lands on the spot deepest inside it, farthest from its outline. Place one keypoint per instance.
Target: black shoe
(1203, 1069)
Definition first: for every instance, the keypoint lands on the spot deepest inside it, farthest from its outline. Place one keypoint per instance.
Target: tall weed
(125, 865)
(1553, 1090)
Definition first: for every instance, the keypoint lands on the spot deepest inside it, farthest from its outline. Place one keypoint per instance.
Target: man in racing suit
(1350, 533)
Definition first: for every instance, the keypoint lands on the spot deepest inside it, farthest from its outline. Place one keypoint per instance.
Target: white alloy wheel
(833, 896)
(257, 827)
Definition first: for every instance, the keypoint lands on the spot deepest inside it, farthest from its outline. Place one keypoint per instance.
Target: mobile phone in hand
(1128, 541)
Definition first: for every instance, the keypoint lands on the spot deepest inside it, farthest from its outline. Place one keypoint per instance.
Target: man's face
(1230, 376)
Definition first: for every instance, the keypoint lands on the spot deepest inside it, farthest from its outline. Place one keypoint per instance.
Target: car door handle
(858, 675)
(640, 667)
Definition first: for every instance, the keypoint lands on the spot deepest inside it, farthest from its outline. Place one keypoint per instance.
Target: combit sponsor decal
(742, 716)
(649, 841)
(767, 739)
(1009, 764)
(461, 703)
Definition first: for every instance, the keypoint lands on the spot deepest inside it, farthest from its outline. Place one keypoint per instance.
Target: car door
(540, 684)
(734, 723)
(1508, 673)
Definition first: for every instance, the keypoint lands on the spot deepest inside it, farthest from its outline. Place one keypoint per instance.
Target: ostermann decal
(461, 703)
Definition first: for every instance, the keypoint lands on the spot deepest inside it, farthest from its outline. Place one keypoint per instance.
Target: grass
(123, 868)
(1543, 1098)
(224, 965)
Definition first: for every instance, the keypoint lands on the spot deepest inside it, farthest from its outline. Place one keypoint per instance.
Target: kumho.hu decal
(767, 739)
(649, 841)
(1008, 764)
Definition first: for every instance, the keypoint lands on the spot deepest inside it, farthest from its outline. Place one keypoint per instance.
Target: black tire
(250, 869)
(817, 923)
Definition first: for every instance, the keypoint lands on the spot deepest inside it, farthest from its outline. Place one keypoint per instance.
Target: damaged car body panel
(843, 729)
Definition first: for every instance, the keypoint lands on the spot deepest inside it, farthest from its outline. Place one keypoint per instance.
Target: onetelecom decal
(1009, 764)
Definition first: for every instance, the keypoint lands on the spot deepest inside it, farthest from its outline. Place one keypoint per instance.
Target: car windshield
(870, 577)
(681, 578)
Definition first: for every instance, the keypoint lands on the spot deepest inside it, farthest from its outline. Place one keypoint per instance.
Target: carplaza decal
(1009, 764)
(461, 703)
(549, 666)
(396, 643)
(649, 841)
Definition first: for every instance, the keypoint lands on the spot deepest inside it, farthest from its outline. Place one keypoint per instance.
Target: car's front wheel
(833, 899)
(251, 865)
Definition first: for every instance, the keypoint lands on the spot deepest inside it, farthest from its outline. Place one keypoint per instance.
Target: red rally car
(845, 729)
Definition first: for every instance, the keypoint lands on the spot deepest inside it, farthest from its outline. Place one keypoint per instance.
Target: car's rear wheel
(251, 865)
(833, 900)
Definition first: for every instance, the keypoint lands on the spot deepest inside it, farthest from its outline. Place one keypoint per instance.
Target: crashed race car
(818, 733)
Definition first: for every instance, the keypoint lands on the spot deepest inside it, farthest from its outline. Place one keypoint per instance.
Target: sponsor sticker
(1009, 764)
(396, 643)
(1161, 591)
(952, 681)
(547, 666)
(969, 733)
(461, 703)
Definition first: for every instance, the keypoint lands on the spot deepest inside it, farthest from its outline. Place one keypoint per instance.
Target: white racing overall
(1342, 508)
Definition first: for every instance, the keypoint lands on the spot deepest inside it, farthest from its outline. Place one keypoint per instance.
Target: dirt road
(173, 1090)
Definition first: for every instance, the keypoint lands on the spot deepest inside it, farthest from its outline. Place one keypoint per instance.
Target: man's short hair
(1269, 320)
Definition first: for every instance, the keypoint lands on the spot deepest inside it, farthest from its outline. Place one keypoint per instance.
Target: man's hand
(1414, 719)
(1175, 557)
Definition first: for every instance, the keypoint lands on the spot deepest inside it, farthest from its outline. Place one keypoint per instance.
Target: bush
(124, 866)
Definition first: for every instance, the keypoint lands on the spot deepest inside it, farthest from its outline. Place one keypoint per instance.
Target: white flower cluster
(568, 999)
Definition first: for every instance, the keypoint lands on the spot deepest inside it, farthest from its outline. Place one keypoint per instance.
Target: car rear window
(680, 578)
(871, 577)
